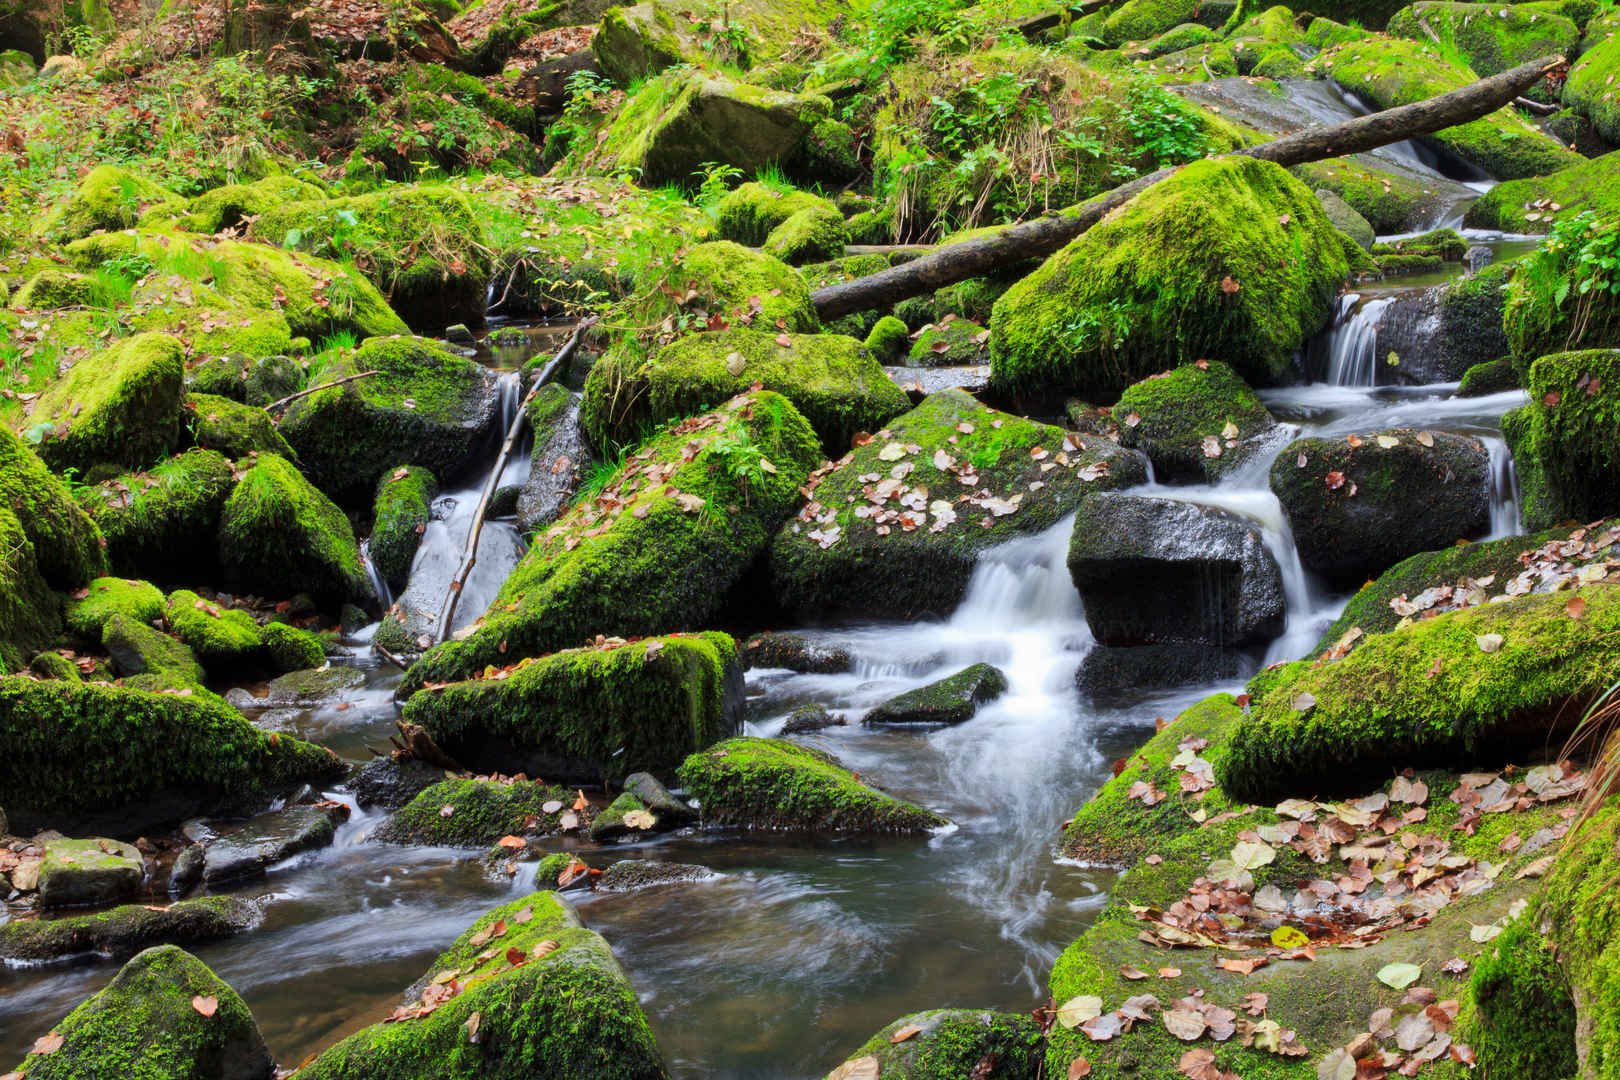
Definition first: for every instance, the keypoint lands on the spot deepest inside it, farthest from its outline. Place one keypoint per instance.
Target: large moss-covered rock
(29, 611)
(1230, 260)
(481, 812)
(1392, 71)
(679, 121)
(637, 41)
(1517, 977)
(90, 608)
(53, 287)
(1157, 571)
(400, 513)
(144, 1023)
(108, 197)
(234, 429)
(1197, 421)
(658, 548)
(591, 714)
(120, 407)
(742, 287)
(1463, 685)
(814, 234)
(952, 1042)
(227, 206)
(963, 477)
(567, 1011)
(833, 380)
(121, 760)
(223, 638)
(148, 659)
(426, 406)
(771, 784)
(750, 213)
(1590, 86)
(1588, 185)
(161, 525)
(1563, 441)
(67, 544)
(256, 381)
(1360, 504)
(126, 930)
(1491, 38)
(279, 536)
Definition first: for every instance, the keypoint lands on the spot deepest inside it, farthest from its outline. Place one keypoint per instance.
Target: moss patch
(105, 597)
(481, 812)
(121, 407)
(1179, 411)
(400, 514)
(161, 525)
(234, 429)
(1563, 442)
(67, 544)
(279, 536)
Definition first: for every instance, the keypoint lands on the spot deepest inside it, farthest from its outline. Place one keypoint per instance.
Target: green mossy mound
(1516, 979)
(161, 525)
(143, 1024)
(591, 714)
(1230, 260)
(126, 930)
(832, 380)
(889, 340)
(1563, 442)
(743, 287)
(400, 514)
(234, 429)
(279, 536)
(223, 638)
(1589, 185)
(952, 700)
(953, 1042)
(1491, 38)
(1590, 87)
(771, 784)
(127, 760)
(1491, 377)
(287, 648)
(427, 406)
(949, 343)
(659, 547)
(257, 381)
(832, 559)
(55, 288)
(814, 234)
(1425, 693)
(1179, 411)
(108, 197)
(569, 1011)
(1392, 71)
(481, 812)
(227, 206)
(751, 212)
(1139, 20)
(148, 659)
(67, 544)
(105, 597)
(119, 407)
(29, 612)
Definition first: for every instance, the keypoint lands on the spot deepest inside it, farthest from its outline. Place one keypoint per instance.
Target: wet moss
(1563, 441)
(255, 381)
(108, 197)
(234, 429)
(743, 287)
(1587, 185)
(279, 536)
(289, 648)
(55, 288)
(106, 597)
(814, 234)
(481, 812)
(226, 207)
(770, 784)
(749, 214)
(1392, 202)
(1590, 86)
(161, 524)
(68, 548)
(29, 612)
(148, 659)
(953, 1042)
(1179, 409)
(1580, 912)
(399, 516)
(948, 344)
(1491, 377)
(1491, 39)
(126, 930)
(1519, 1017)
(222, 637)
(889, 340)
(952, 700)
(121, 407)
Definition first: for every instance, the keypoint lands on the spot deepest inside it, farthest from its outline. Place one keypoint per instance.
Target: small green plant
(1164, 127)
(1579, 261)
(715, 180)
(742, 459)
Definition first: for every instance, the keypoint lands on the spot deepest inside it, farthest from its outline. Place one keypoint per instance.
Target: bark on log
(1041, 237)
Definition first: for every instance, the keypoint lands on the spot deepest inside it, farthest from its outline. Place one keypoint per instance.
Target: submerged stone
(269, 838)
(807, 719)
(951, 700)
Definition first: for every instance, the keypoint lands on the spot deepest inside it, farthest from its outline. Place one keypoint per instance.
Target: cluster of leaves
(1578, 265)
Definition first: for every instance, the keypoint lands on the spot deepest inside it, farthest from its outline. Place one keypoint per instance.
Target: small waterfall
(385, 596)
(1504, 490)
(1352, 344)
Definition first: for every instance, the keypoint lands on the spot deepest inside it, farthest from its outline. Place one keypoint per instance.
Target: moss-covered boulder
(566, 1010)
(108, 197)
(1461, 685)
(635, 42)
(426, 406)
(89, 873)
(126, 930)
(1490, 377)
(251, 381)
(894, 529)
(1528, 205)
(1559, 296)
(1490, 38)
(146, 1023)
(1391, 200)
(161, 525)
(400, 514)
(833, 380)
(751, 212)
(1590, 86)
(1230, 260)
(290, 648)
(479, 813)
(951, 1042)
(90, 608)
(53, 288)
(148, 659)
(223, 638)
(1139, 20)
(120, 407)
(1392, 71)
(771, 784)
(1561, 441)
(67, 544)
(229, 205)
(742, 287)
(952, 700)
(1194, 422)
(1360, 504)
(949, 342)
(889, 340)
(279, 536)
(658, 548)
(234, 429)
(814, 234)
(677, 122)
(30, 613)
(591, 714)
(1158, 571)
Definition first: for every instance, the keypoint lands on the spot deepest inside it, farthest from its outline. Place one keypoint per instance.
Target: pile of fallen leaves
(1583, 559)
(449, 984)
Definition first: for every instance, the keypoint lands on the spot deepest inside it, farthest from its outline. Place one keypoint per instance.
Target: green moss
(1447, 245)
(770, 784)
(947, 344)
(953, 1042)
(1490, 38)
(832, 380)
(148, 659)
(635, 43)
(161, 524)
(1580, 911)
(568, 1012)
(279, 536)
(234, 429)
(603, 713)
(290, 649)
(952, 700)
(1564, 440)
(831, 561)
(1589, 185)
(222, 637)
(814, 234)
(610, 822)
(889, 340)
(482, 811)
(1427, 691)
(1392, 202)
(252, 381)
(1391, 71)
(67, 544)
(750, 213)
(106, 597)
(401, 512)
(143, 1024)
(53, 665)
(1180, 408)
(743, 287)
(1145, 287)
(642, 557)
(29, 611)
(1519, 1019)
(225, 207)
(1183, 36)
(108, 197)
(120, 407)
(1138, 20)
(1590, 87)
(55, 288)
(124, 931)
(1491, 377)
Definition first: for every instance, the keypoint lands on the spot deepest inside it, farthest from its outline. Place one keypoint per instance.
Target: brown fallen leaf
(910, 1031)
(47, 1044)
(208, 1006)
(1079, 1068)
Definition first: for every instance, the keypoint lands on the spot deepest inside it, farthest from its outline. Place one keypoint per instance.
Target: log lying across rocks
(1040, 238)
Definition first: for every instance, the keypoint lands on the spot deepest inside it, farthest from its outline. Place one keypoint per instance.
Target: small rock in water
(658, 798)
(952, 700)
(796, 653)
(389, 784)
(1478, 258)
(808, 718)
(269, 838)
(77, 873)
(629, 874)
(458, 334)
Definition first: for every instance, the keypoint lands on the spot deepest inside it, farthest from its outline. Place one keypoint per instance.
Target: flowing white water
(1353, 342)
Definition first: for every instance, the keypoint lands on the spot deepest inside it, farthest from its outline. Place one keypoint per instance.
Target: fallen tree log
(1041, 237)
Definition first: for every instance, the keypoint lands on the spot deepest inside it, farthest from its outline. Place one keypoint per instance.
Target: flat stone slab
(270, 838)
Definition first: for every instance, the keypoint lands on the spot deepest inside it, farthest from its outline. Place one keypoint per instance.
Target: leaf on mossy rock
(1077, 1010)
(1399, 975)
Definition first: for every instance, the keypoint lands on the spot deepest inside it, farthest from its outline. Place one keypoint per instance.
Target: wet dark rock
(796, 653)
(315, 686)
(1154, 571)
(187, 870)
(1478, 257)
(1357, 510)
(918, 383)
(458, 334)
(1436, 334)
(611, 824)
(810, 718)
(559, 458)
(389, 784)
(1108, 671)
(628, 875)
(658, 798)
(270, 838)
(352, 620)
(504, 502)
(476, 813)
(952, 700)
(125, 931)
(83, 873)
